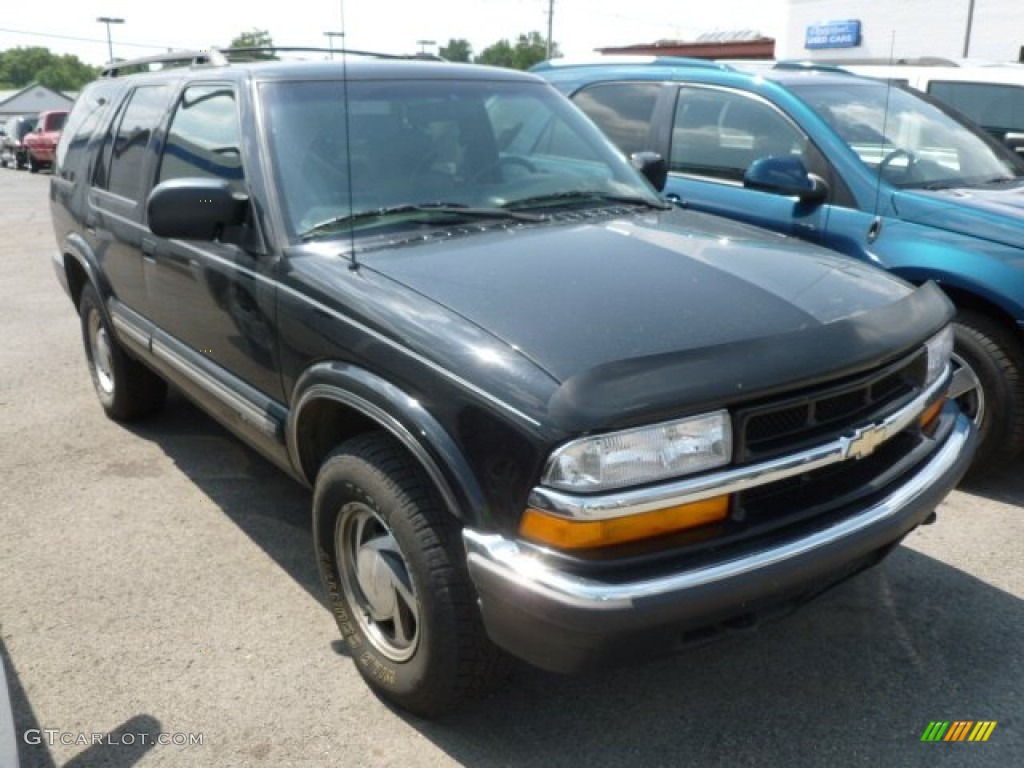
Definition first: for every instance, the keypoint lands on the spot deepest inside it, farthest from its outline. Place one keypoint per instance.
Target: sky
(390, 26)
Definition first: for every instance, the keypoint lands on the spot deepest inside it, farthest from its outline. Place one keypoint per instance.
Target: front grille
(780, 511)
(815, 416)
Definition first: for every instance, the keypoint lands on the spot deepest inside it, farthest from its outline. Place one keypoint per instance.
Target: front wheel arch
(336, 401)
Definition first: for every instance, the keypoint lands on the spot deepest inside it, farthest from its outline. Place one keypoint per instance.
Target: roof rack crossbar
(221, 57)
(210, 57)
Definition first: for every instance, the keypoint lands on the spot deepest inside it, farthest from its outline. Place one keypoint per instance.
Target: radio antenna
(885, 128)
(354, 265)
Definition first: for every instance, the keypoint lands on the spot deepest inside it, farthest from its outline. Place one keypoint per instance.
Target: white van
(992, 95)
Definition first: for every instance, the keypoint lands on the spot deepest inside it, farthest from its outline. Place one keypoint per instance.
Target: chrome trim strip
(518, 565)
(632, 501)
(247, 411)
(127, 330)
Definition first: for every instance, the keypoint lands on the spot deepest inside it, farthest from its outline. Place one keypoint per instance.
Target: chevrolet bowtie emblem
(866, 440)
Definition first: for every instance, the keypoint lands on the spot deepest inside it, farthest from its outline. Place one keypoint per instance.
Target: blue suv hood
(995, 214)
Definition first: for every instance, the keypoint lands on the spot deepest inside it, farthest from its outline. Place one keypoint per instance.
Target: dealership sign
(833, 34)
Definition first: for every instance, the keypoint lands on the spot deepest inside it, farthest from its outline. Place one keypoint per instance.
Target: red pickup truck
(42, 141)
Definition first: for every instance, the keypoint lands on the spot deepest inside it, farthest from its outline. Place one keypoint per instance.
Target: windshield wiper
(585, 196)
(447, 210)
(1000, 180)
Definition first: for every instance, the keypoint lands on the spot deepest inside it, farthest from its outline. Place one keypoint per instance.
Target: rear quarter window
(88, 114)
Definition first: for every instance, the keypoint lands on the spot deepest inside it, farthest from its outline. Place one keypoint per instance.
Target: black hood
(574, 297)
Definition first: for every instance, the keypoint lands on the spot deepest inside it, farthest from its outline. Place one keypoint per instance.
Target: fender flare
(402, 416)
(77, 249)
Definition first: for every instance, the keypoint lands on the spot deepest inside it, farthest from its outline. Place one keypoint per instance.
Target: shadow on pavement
(122, 747)
(853, 678)
(265, 503)
(1005, 485)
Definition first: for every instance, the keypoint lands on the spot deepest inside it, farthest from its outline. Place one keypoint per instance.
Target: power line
(84, 39)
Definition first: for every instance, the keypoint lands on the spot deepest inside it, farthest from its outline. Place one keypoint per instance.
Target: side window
(204, 139)
(994, 107)
(121, 162)
(720, 133)
(92, 106)
(622, 110)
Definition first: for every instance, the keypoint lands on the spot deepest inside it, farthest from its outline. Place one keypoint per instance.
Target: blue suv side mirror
(785, 176)
(652, 166)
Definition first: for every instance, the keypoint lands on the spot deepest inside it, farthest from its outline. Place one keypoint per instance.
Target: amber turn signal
(563, 533)
(931, 413)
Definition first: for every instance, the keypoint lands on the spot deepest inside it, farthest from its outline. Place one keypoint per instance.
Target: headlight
(642, 455)
(940, 347)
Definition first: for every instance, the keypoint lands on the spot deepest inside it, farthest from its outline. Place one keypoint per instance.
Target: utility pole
(108, 20)
(551, 18)
(970, 22)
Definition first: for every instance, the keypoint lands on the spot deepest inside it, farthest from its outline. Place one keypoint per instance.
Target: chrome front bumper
(563, 621)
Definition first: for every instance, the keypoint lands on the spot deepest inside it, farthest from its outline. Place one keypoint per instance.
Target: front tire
(33, 164)
(125, 387)
(988, 384)
(392, 563)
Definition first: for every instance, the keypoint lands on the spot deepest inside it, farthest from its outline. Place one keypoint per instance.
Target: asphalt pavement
(157, 584)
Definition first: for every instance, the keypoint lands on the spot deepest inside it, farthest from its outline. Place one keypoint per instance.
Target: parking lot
(157, 584)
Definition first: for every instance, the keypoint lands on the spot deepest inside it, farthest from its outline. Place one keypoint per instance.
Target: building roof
(33, 98)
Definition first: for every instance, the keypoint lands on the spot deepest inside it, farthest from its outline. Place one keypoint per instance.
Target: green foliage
(21, 66)
(456, 50)
(529, 50)
(255, 38)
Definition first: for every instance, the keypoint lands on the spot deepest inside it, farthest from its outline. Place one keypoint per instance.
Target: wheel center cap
(377, 583)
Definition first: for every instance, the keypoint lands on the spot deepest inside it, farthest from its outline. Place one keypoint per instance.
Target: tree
(529, 50)
(456, 50)
(255, 38)
(21, 66)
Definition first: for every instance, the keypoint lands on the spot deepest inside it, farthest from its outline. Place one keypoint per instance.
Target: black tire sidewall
(88, 304)
(1001, 406)
(429, 670)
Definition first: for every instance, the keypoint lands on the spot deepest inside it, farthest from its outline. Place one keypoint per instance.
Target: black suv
(541, 410)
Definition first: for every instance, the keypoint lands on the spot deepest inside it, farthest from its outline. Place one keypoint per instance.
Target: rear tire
(392, 562)
(126, 388)
(33, 165)
(989, 386)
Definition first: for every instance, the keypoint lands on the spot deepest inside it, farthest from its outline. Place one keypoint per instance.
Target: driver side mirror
(195, 209)
(785, 176)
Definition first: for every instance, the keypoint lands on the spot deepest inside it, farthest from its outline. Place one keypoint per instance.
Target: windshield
(411, 154)
(55, 121)
(908, 141)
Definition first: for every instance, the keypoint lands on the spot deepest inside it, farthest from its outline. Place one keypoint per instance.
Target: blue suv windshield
(412, 154)
(908, 141)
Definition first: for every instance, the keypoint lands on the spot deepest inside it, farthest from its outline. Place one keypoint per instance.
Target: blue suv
(860, 166)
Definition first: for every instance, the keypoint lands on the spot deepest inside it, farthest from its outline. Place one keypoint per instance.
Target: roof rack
(811, 66)
(639, 59)
(222, 57)
(205, 58)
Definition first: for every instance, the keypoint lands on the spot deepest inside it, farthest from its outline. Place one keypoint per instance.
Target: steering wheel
(894, 155)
